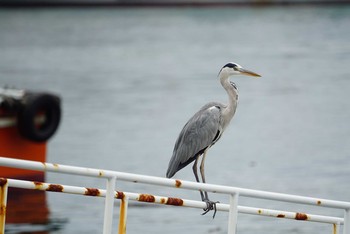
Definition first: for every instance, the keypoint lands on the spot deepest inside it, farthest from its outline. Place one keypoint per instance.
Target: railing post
(346, 228)
(109, 205)
(123, 215)
(233, 213)
(336, 228)
(3, 202)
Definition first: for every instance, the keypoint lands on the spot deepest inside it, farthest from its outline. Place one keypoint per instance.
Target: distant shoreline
(166, 3)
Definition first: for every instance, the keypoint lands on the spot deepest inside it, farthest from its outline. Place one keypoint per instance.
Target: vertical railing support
(3, 202)
(233, 213)
(109, 205)
(123, 215)
(336, 228)
(346, 228)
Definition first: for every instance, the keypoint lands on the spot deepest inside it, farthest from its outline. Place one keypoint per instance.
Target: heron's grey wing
(199, 133)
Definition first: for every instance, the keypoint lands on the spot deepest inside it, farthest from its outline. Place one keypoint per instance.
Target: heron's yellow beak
(248, 73)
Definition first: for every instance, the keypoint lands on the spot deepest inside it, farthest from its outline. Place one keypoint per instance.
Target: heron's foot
(210, 206)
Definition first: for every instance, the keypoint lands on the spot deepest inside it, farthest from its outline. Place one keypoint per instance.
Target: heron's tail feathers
(170, 173)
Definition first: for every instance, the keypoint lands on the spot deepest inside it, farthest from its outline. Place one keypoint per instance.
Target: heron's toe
(210, 206)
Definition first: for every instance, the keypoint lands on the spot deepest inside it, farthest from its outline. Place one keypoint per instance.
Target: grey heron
(205, 128)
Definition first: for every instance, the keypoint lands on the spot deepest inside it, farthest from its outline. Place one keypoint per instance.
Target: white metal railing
(110, 194)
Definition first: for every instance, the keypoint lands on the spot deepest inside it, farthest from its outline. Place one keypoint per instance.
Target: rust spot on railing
(174, 201)
(2, 216)
(281, 216)
(178, 183)
(301, 216)
(319, 202)
(162, 200)
(38, 185)
(146, 198)
(3, 181)
(119, 195)
(259, 211)
(2, 210)
(55, 188)
(92, 192)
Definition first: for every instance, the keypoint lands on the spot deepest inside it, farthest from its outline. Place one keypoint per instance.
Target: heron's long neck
(230, 110)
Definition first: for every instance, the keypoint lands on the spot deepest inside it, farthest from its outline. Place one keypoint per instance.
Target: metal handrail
(234, 192)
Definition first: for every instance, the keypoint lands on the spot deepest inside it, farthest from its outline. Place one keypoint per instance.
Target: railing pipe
(53, 167)
(109, 206)
(123, 214)
(170, 201)
(3, 203)
(346, 228)
(233, 213)
(336, 228)
(110, 194)
(172, 183)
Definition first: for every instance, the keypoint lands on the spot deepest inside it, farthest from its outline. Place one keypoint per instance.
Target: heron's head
(236, 69)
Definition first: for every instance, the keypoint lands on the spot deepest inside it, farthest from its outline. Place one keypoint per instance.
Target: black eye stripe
(231, 65)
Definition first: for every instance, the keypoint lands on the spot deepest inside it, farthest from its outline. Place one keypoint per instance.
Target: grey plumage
(203, 130)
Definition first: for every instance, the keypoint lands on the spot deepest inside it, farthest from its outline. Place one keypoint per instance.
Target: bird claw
(210, 206)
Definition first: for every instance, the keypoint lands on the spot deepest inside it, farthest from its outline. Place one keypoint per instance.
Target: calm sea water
(130, 78)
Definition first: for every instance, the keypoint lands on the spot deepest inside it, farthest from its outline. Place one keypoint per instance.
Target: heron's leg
(210, 204)
(201, 168)
(195, 172)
